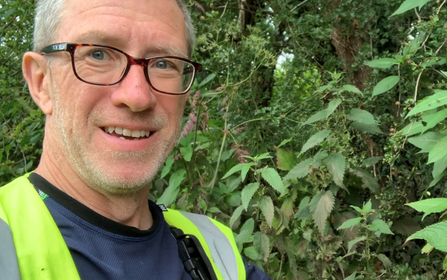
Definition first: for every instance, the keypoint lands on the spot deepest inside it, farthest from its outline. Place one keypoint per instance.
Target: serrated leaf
(382, 63)
(169, 195)
(369, 128)
(439, 98)
(323, 209)
(315, 139)
(285, 160)
(429, 118)
(237, 168)
(385, 261)
(380, 226)
(236, 214)
(246, 232)
(301, 170)
(435, 234)
(247, 193)
(438, 151)
(267, 209)
(350, 223)
(323, 88)
(368, 180)
(430, 205)
(371, 161)
(408, 5)
(303, 209)
(361, 116)
(272, 177)
(367, 208)
(355, 241)
(336, 164)
(284, 142)
(332, 106)
(351, 88)
(262, 243)
(426, 141)
(385, 85)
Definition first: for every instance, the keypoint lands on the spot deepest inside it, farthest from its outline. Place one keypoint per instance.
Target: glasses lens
(99, 65)
(171, 75)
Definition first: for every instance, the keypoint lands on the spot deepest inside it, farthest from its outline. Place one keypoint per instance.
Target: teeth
(127, 132)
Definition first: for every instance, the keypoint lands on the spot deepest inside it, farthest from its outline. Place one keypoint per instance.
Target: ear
(36, 72)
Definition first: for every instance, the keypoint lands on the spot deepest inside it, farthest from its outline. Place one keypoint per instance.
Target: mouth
(127, 134)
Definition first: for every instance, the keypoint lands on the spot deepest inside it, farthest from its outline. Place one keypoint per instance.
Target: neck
(132, 210)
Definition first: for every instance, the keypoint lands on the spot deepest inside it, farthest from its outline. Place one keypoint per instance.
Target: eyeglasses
(106, 66)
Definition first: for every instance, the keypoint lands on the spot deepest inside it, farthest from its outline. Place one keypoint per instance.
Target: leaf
(429, 118)
(272, 177)
(301, 170)
(385, 260)
(385, 85)
(355, 241)
(237, 168)
(247, 193)
(323, 210)
(439, 167)
(332, 106)
(369, 128)
(207, 80)
(350, 223)
(167, 167)
(427, 249)
(236, 214)
(371, 161)
(246, 232)
(380, 226)
(285, 160)
(361, 116)
(351, 277)
(315, 139)
(171, 192)
(408, 5)
(262, 243)
(284, 142)
(267, 209)
(316, 117)
(438, 151)
(186, 152)
(432, 102)
(336, 164)
(368, 180)
(323, 88)
(430, 205)
(251, 253)
(303, 209)
(351, 88)
(435, 234)
(382, 63)
(426, 141)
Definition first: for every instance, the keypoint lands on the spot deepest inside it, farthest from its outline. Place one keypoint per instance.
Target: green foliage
(353, 92)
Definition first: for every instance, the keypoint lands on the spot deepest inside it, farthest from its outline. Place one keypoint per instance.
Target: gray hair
(50, 12)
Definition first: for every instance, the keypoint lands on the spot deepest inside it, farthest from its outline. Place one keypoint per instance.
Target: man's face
(88, 124)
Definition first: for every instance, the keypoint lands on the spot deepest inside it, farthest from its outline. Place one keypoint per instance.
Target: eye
(99, 54)
(161, 64)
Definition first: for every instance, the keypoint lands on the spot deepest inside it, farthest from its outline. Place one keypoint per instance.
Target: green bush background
(300, 141)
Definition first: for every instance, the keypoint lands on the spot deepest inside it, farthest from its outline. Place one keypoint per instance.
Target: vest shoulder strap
(216, 239)
(35, 234)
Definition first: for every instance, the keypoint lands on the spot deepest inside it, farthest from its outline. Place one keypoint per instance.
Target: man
(112, 78)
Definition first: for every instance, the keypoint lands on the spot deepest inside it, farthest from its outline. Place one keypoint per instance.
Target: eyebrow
(96, 37)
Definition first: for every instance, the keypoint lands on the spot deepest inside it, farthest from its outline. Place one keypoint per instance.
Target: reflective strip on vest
(9, 268)
(216, 239)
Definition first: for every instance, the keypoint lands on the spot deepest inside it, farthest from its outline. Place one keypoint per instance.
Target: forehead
(134, 25)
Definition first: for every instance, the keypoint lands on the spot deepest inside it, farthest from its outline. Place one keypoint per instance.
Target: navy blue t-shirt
(104, 249)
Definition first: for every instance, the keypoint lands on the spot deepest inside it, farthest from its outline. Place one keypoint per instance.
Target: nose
(134, 91)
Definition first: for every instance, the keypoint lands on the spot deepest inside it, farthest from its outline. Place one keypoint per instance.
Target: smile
(127, 134)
